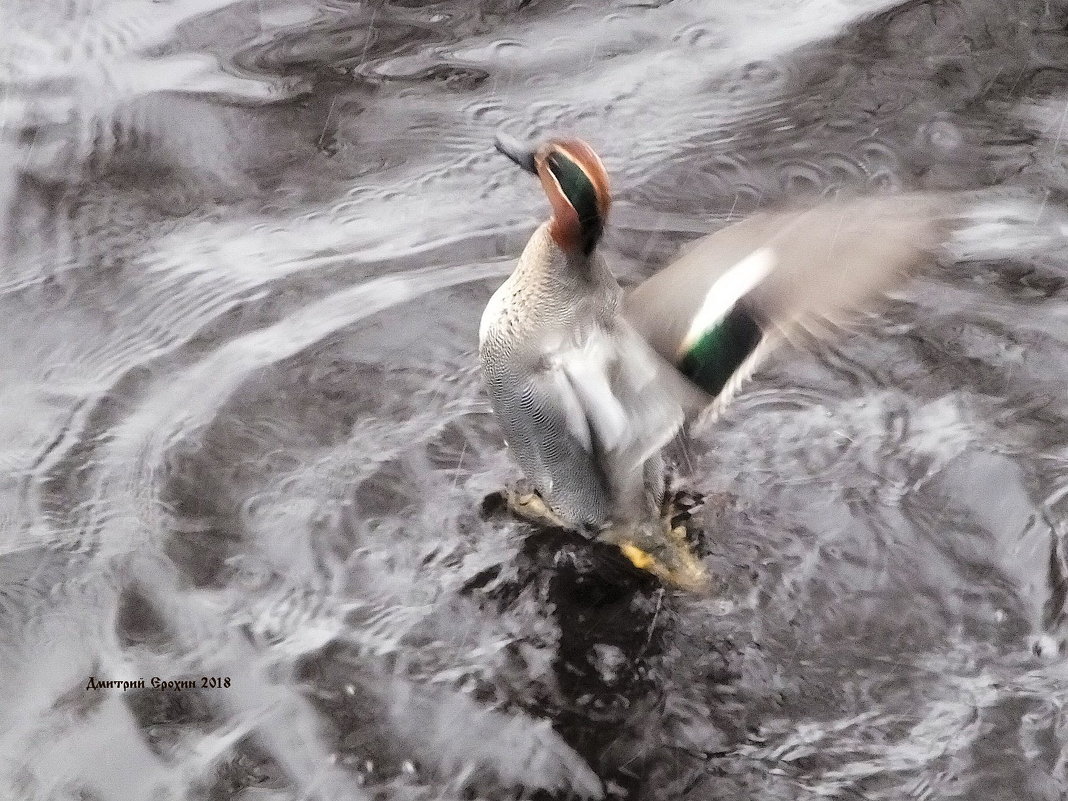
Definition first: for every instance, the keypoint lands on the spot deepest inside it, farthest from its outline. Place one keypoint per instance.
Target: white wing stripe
(728, 289)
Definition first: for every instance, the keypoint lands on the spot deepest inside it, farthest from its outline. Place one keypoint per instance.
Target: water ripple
(246, 245)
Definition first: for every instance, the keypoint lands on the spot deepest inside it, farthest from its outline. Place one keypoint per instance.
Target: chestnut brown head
(576, 183)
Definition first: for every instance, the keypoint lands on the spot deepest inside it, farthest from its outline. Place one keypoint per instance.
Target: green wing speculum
(717, 354)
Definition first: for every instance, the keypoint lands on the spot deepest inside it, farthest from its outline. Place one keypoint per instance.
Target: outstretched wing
(732, 296)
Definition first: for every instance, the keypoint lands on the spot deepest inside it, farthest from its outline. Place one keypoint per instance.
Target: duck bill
(518, 151)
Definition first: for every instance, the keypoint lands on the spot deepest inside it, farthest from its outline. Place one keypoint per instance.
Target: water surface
(242, 436)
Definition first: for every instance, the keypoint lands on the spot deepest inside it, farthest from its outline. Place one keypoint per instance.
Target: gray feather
(823, 263)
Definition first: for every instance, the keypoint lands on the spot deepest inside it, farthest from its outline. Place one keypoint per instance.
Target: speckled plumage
(552, 323)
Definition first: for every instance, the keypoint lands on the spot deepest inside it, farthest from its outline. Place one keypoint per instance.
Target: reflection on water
(246, 249)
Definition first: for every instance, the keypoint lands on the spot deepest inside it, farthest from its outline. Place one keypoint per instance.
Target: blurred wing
(732, 296)
(626, 400)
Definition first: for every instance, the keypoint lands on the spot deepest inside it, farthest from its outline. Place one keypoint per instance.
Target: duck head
(576, 183)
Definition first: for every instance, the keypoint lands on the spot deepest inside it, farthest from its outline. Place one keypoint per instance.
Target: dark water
(246, 247)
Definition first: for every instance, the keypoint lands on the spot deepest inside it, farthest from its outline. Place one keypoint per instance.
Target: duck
(589, 384)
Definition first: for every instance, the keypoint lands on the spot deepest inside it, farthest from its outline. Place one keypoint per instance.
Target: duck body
(547, 309)
(589, 385)
(580, 397)
(585, 405)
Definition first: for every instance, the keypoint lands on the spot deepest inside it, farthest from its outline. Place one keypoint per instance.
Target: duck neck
(550, 280)
(566, 267)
